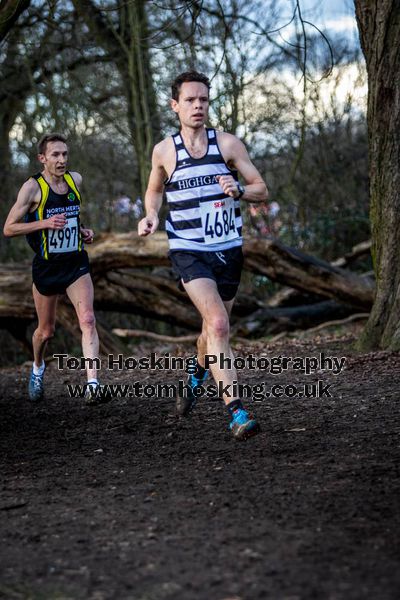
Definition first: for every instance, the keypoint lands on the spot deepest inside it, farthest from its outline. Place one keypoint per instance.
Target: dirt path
(124, 501)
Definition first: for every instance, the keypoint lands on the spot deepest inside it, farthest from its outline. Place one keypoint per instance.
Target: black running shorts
(54, 276)
(223, 267)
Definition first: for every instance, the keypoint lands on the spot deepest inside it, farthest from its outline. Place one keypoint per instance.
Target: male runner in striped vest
(47, 211)
(198, 168)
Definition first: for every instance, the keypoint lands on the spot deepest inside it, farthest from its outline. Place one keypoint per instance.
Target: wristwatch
(241, 190)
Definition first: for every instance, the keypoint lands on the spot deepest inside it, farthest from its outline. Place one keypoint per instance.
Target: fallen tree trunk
(288, 296)
(270, 321)
(147, 295)
(16, 292)
(17, 310)
(134, 291)
(152, 296)
(262, 256)
(307, 273)
(141, 333)
(124, 250)
(121, 266)
(360, 250)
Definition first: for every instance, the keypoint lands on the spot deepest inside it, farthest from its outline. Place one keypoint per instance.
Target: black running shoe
(187, 402)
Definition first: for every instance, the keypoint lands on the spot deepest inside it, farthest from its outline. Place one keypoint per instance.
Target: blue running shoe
(186, 402)
(243, 425)
(36, 389)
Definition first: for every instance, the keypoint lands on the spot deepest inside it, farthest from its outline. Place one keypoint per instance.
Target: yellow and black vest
(51, 244)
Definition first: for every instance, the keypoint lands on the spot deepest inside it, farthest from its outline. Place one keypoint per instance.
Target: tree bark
(136, 70)
(379, 28)
(11, 103)
(8, 112)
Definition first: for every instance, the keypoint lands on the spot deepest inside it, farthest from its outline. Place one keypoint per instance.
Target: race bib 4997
(64, 240)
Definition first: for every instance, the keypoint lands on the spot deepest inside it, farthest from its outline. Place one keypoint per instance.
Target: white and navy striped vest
(201, 216)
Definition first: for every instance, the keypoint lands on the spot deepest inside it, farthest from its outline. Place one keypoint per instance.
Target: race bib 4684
(218, 220)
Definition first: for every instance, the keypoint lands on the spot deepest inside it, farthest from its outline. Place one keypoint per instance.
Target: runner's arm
(14, 224)
(154, 195)
(77, 179)
(235, 154)
(87, 234)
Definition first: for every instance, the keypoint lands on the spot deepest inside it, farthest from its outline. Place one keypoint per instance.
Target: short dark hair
(188, 76)
(49, 137)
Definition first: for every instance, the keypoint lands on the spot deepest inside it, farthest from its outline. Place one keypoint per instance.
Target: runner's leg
(204, 294)
(46, 312)
(202, 339)
(202, 345)
(81, 295)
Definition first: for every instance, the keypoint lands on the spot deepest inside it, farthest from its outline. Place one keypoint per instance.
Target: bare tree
(37, 48)
(379, 28)
(122, 30)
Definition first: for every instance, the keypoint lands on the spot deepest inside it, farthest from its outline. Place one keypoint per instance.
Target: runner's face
(55, 158)
(192, 105)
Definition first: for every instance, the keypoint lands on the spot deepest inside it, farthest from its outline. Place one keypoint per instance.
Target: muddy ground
(125, 501)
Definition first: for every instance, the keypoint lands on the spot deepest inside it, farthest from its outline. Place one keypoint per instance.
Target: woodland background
(100, 72)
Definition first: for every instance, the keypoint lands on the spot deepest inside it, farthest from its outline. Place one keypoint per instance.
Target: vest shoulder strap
(44, 188)
(68, 178)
